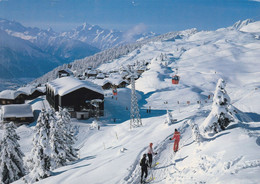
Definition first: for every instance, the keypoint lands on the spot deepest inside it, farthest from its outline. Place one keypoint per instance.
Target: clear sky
(159, 16)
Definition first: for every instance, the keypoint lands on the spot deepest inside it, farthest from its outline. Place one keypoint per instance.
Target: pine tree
(39, 161)
(11, 160)
(221, 113)
(67, 134)
(57, 144)
(197, 137)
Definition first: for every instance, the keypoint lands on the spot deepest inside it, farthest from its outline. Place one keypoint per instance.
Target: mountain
(53, 48)
(104, 38)
(65, 49)
(108, 55)
(20, 58)
(240, 24)
(202, 58)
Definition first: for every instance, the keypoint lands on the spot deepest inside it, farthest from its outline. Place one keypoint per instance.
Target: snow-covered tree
(169, 119)
(68, 134)
(197, 137)
(61, 140)
(11, 159)
(221, 113)
(39, 161)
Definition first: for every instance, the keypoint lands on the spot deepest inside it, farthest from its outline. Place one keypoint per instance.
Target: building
(18, 113)
(12, 97)
(91, 74)
(65, 73)
(75, 95)
(32, 92)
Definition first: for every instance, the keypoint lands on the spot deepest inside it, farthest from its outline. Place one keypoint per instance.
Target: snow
(65, 85)
(112, 154)
(28, 90)
(16, 110)
(10, 94)
(252, 28)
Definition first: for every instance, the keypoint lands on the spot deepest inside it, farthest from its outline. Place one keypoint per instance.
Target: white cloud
(136, 30)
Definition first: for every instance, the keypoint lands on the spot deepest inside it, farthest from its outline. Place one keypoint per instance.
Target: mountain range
(38, 51)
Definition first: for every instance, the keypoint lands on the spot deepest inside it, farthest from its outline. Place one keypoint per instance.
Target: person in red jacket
(176, 136)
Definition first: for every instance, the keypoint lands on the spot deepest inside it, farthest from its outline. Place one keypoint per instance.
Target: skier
(150, 154)
(176, 136)
(144, 165)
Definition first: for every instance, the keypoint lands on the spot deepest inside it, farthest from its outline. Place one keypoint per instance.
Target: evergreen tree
(11, 159)
(62, 140)
(197, 137)
(39, 161)
(221, 113)
(68, 134)
(57, 143)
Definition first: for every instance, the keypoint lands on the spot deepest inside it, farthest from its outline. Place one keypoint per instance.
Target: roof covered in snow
(65, 85)
(28, 90)
(10, 94)
(16, 110)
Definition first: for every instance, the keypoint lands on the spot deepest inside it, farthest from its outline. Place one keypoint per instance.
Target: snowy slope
(112, 154)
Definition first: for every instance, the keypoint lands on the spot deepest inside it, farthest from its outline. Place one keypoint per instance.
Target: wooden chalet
(122, 84)
(75, 95)
(65, 73)
(91, 74)
(12, 97)
(100, 76)
(32, 92)
(18, 113)
(107, 85)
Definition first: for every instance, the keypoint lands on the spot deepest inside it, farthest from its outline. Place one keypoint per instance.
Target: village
(82, 94)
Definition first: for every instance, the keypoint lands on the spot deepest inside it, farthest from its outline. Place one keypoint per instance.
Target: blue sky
(159, 16)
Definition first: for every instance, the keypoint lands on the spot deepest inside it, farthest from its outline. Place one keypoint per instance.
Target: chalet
(65, 73)
(12, 97)
(91, 73)
(106, 85)
(75, 95)
(100, 76)
(122, 84)
(32, 92)
(18, 113)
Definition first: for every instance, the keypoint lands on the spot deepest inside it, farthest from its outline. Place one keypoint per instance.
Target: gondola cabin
(114, 91)
(175, 79)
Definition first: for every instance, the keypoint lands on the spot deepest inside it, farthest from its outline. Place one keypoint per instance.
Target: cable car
(114, 91)
(175, 79)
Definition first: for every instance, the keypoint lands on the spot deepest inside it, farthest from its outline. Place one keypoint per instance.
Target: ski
(154, 164)
(149, 180)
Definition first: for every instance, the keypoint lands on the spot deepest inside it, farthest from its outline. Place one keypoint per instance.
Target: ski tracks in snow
(165, 157)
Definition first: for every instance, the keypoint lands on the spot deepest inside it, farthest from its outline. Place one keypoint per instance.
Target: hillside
(112, 154)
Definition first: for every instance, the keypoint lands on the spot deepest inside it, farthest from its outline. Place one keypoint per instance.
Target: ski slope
(112, 154)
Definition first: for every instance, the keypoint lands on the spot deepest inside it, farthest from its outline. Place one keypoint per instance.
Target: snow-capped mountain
(104, 38)
(66, 49)
(240, 24)
(53, 47)
(20, 58)
(202, 58)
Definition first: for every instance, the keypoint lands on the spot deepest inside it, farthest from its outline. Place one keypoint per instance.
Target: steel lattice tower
(135, 120)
